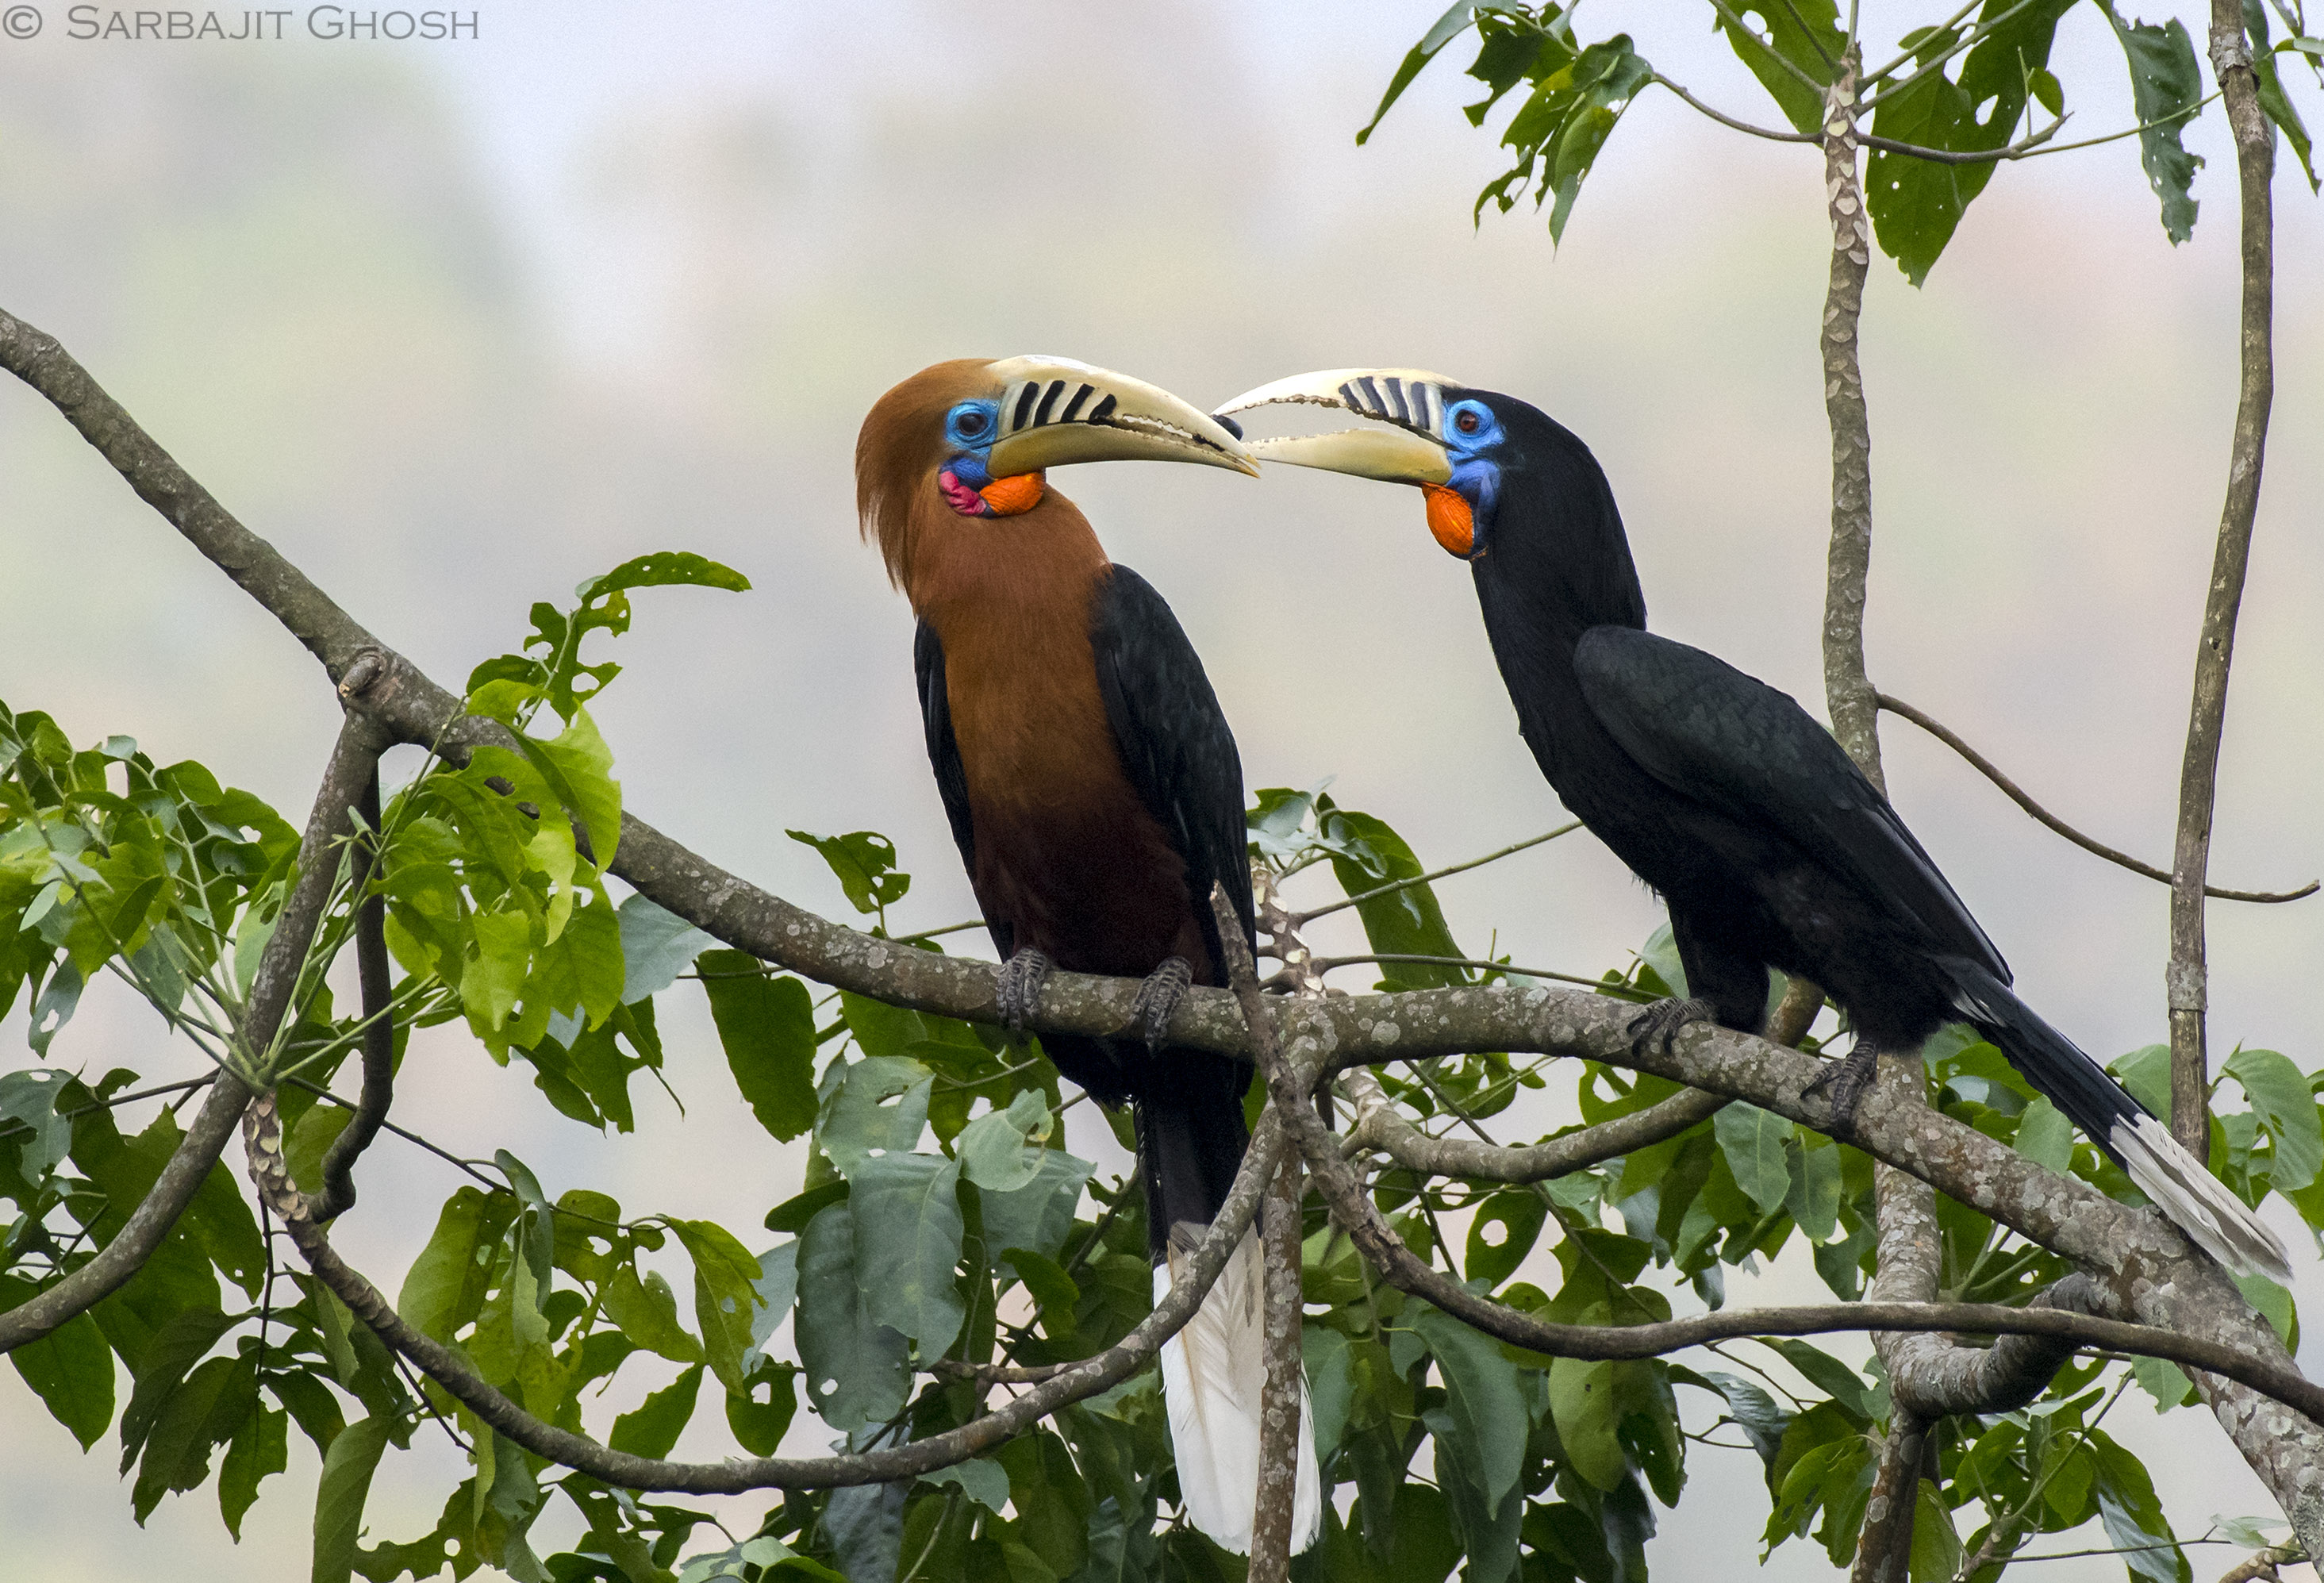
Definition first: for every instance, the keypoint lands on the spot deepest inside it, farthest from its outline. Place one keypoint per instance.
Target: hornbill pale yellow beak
(1411, 400)
(1055, 410)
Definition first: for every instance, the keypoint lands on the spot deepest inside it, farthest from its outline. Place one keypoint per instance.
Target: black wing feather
(1707, 731)
(1175, 743)
(944, 757)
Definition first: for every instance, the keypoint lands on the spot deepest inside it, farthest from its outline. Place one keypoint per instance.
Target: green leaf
(878, 1108)
(654, 1427)
(1754, 1411)
(1516, 1214)
(858, 1371)
(1813, 1199)
(1805, 33)
(2275, 103)
(1916, 204)
(981, 1478)
(665, 569)
(259, 1448)
(725, 1296)
(2166, 86)
(767, 1026)
(1367, 854)
(579, 767)
(2281, 1098)
(30, 1096)
(1001, 1150)
(2135, 1522)
(908, 1234)
(1827, 1374)
(2045, 1136)
(204, 1410)
(1936, 1548)
(1038, 1215)
(1486, 1404)
(1582, 1400)
(70, 1368)
(446, 1284)
(864, 863)
(760, 1425)
(647, 1313)
(1752, 1140)
(339, 1497)
(1052, 1500)
(656, 945)
(1443, 32)
(2146, 1073)
(311, 1138)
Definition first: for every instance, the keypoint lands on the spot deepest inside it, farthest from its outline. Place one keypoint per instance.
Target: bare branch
(1848, 691)
(1378, 1126)
(2198, 774)
(2011, 789)
(378, 990)
(1884, 1545)
(1301, 920)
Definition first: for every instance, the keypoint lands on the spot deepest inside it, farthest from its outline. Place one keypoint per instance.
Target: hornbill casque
(1096, 795)
(1768, 845)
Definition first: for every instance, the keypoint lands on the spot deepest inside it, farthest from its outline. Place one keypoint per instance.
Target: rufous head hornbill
(1096, 795)
(1770, 846)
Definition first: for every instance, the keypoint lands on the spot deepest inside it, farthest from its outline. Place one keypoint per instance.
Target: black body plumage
(1770, 848)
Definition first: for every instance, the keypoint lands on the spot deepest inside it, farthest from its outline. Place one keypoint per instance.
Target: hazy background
(457, 325)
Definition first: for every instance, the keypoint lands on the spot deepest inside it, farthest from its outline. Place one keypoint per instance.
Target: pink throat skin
(960, 497)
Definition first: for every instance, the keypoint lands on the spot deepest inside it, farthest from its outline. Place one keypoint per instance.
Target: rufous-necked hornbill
(1096, 795)
(1770, 846)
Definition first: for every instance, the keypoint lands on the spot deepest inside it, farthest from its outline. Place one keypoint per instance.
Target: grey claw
(1019, 986)
(1158, 998)
(1658, 1025)
(1848, 1080)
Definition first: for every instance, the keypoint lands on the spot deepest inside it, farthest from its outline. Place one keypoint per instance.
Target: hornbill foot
(1020, 980)
(1658, 1025)
(1848, 1081)
(1158, 998)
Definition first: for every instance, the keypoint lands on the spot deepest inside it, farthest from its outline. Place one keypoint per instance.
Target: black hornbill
(1770, 846)
(1096, 795)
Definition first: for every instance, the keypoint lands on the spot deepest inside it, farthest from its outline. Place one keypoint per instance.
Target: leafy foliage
(1966, 85)
(940, 1218)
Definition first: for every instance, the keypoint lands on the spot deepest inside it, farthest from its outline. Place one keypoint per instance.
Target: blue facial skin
(970, 429)
(1475, 473)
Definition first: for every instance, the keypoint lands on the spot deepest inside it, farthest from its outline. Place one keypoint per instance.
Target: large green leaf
(2166, 85)
(767, 1026)
(725, 1296)
(1406, 922)
(908, 1234)
(858, 1370)
(70, 1368)
(1770, 36)
(1916, 204)
(1487, 1404)
(1038, 1215)
(1001, 1150)
(878, 1109)
(654, 1427)
(2281, 1098)
(1753, 1140)
(339, 1496)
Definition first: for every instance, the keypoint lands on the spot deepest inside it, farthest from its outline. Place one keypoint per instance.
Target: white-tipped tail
(1214, 1372)
(2198, 1202)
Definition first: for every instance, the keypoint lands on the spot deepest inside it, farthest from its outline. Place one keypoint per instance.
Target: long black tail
(1191, 1137)
(2218, 1223)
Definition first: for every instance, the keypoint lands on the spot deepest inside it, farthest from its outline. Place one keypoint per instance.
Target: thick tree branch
(1279, 1399)
(1884, 1545)
(2198, 774)
(2010, 789)
(262, 1132)
(1847, 692)
(1289, 1073)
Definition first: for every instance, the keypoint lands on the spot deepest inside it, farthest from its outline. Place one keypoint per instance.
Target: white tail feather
(1212, 1374)
(2198, 1202)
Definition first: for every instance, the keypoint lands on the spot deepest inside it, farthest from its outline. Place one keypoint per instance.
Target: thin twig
(1301, 920)
(1324, 964)
(2015, 793)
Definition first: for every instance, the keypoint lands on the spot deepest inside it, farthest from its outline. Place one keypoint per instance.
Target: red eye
(1466, 423)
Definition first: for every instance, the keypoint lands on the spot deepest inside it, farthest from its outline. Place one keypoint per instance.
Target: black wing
(1173, 740)
(944, 757)
(1705, 729)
